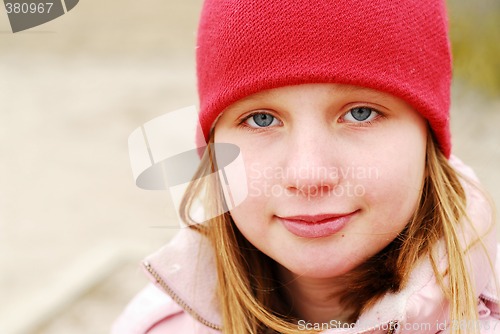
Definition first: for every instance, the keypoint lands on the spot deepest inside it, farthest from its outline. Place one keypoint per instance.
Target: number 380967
(28, 8)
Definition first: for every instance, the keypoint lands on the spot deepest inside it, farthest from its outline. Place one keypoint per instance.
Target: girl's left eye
(360, 115)
(261, 120)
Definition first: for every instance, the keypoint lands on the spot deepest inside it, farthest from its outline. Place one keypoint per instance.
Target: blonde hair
(251, 296)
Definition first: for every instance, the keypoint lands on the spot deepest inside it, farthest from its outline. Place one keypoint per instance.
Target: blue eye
(360, 114)
(261, 120)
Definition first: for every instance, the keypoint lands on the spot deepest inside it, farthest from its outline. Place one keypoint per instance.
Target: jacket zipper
(491, 299)
(177, 299)
(393, 325)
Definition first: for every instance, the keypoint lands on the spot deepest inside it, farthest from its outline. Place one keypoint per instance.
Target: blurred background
(73, 226)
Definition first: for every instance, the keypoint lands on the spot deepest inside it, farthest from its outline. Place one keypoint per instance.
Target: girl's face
(334, 173)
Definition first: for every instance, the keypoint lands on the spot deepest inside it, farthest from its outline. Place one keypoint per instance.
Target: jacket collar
(185, 269)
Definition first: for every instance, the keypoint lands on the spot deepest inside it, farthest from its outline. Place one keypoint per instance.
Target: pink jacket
(181, 297)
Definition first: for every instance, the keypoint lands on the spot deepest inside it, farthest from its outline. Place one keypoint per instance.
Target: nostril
(310, 188)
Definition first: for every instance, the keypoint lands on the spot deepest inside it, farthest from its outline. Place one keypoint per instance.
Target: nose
(312, 162)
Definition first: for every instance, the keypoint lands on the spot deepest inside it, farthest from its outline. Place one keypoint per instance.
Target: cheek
(251, 220)
(262, 175)
(395, 201)
(395, 191)
(252, 214)
(254, 179)
(246, 178)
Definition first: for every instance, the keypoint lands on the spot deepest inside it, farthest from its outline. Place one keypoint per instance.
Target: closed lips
(316, 226)
(316, 219)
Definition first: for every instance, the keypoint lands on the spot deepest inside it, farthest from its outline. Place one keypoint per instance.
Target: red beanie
(399, 47)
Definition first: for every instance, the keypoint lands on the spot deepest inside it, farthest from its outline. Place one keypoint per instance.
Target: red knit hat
(400, 47)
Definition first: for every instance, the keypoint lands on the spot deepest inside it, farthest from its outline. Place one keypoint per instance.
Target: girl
(357, 218)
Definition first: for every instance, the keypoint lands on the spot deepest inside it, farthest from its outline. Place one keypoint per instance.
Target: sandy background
(73, 226)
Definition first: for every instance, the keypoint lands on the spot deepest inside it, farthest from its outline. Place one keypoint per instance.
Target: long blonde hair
(251, 297)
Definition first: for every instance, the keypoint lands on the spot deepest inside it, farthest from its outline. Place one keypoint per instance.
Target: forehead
(329, 90)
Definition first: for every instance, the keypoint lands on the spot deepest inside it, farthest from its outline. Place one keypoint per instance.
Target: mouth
(316, 226)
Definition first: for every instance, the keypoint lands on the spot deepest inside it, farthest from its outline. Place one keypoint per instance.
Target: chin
(318, 269)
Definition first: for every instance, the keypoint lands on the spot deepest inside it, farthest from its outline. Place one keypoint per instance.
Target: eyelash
(364, 123)
(241, 121)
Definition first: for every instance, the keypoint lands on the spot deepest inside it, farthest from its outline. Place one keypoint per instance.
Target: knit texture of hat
(399, 47)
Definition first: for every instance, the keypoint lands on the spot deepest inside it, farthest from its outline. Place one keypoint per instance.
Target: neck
(316, 300)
